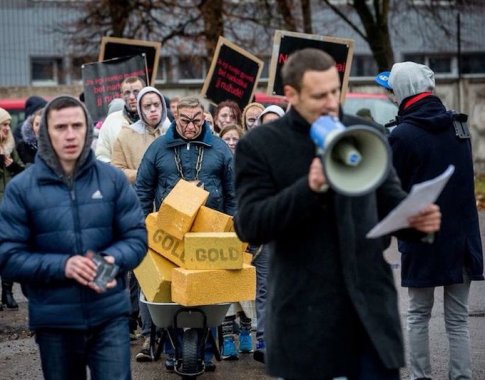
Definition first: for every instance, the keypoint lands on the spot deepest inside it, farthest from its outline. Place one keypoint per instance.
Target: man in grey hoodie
(426, 140)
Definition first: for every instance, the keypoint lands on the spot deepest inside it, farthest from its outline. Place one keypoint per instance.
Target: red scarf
(415, 98)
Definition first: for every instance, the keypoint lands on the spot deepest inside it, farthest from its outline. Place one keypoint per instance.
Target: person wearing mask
(332, 306)
(426, 140)
(188, 151)
(129, 89)
(133, 140)
(226, 112)
(250, 115)
(55, 216)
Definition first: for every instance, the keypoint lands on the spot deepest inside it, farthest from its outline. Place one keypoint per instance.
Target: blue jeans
(104, 349)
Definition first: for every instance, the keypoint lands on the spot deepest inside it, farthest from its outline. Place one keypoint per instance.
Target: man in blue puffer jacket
(53, 216)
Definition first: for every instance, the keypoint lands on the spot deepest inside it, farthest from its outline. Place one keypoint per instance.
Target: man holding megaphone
(332, 305)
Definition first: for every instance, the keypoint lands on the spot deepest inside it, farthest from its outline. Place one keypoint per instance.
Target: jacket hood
(270, 109)
(141, 94)
(409, 79)
(28, 134)
(428, 113)
(46, 151)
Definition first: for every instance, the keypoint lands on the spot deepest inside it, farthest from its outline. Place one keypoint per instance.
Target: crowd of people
(72, 189)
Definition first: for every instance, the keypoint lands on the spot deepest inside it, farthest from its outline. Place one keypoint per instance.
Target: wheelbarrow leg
(216, 349)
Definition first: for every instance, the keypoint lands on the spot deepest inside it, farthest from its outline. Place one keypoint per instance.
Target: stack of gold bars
(194, 256)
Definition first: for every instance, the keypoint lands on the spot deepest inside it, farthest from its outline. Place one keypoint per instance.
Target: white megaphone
(355, 160)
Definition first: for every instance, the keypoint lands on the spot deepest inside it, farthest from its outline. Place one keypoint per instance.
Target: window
(473, 63)
(76, 63)
(439, 63)
(363, 66)
(164, 72)
(47, 71)
(191, 68)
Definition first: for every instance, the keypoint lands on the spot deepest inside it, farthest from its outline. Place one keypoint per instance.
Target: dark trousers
(369, 367)
(105, 350)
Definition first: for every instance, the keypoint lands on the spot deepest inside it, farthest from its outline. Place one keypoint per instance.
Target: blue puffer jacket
(423, 145)
(158, 173)
(45, 221)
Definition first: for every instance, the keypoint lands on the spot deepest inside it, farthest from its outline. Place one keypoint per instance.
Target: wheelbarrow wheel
(190, 352)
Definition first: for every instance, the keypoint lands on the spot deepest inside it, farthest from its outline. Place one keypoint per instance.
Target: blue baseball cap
(382, 79)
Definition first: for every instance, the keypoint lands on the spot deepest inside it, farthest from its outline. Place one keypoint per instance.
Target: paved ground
(19, 357)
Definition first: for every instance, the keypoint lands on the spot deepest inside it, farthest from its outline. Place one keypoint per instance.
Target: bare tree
(193, 26)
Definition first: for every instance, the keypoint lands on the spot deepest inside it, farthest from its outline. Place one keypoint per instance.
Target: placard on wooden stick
(102, 80)
(114, 47)
(285, 43)
(233, 74)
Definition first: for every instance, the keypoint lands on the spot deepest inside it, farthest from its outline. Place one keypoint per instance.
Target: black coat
(424, 144)
(328, 285)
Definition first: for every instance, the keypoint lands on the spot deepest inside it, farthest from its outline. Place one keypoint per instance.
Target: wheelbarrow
(195, 322)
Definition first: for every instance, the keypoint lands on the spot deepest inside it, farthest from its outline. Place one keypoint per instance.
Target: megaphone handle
(428, 238)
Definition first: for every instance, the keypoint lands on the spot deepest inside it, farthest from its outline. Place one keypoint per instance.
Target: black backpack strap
(460, 123)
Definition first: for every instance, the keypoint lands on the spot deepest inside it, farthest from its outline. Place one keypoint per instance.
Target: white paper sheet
(421, 195)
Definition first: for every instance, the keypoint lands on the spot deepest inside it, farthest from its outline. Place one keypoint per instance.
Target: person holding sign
(129, 89)
(332, 306)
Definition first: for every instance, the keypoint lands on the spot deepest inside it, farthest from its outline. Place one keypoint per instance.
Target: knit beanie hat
(409, 79)
(33, 103)
(4, 116)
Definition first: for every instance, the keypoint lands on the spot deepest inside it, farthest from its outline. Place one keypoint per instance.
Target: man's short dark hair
(299, 62)
(62, 102)
(134, 79)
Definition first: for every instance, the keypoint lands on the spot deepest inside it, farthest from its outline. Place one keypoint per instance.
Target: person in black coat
(332, 304)
(424, 144)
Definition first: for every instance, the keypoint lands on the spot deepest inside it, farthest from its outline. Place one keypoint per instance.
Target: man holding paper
(332, 305)
(426, 140)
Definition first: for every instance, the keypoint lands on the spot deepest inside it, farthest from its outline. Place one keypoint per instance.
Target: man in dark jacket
(54, 215)
(332, 305)
(424, 142)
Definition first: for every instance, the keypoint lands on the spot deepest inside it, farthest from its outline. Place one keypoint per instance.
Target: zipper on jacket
(77, 233)
(75, 216)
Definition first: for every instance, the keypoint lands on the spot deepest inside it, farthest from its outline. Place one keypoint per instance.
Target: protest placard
(233, 74)
(101, 81)
(114, 47)
(285, 43)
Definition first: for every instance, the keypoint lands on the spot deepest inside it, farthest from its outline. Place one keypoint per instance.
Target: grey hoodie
(46, 151)
(141, 125)
(409, 78)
